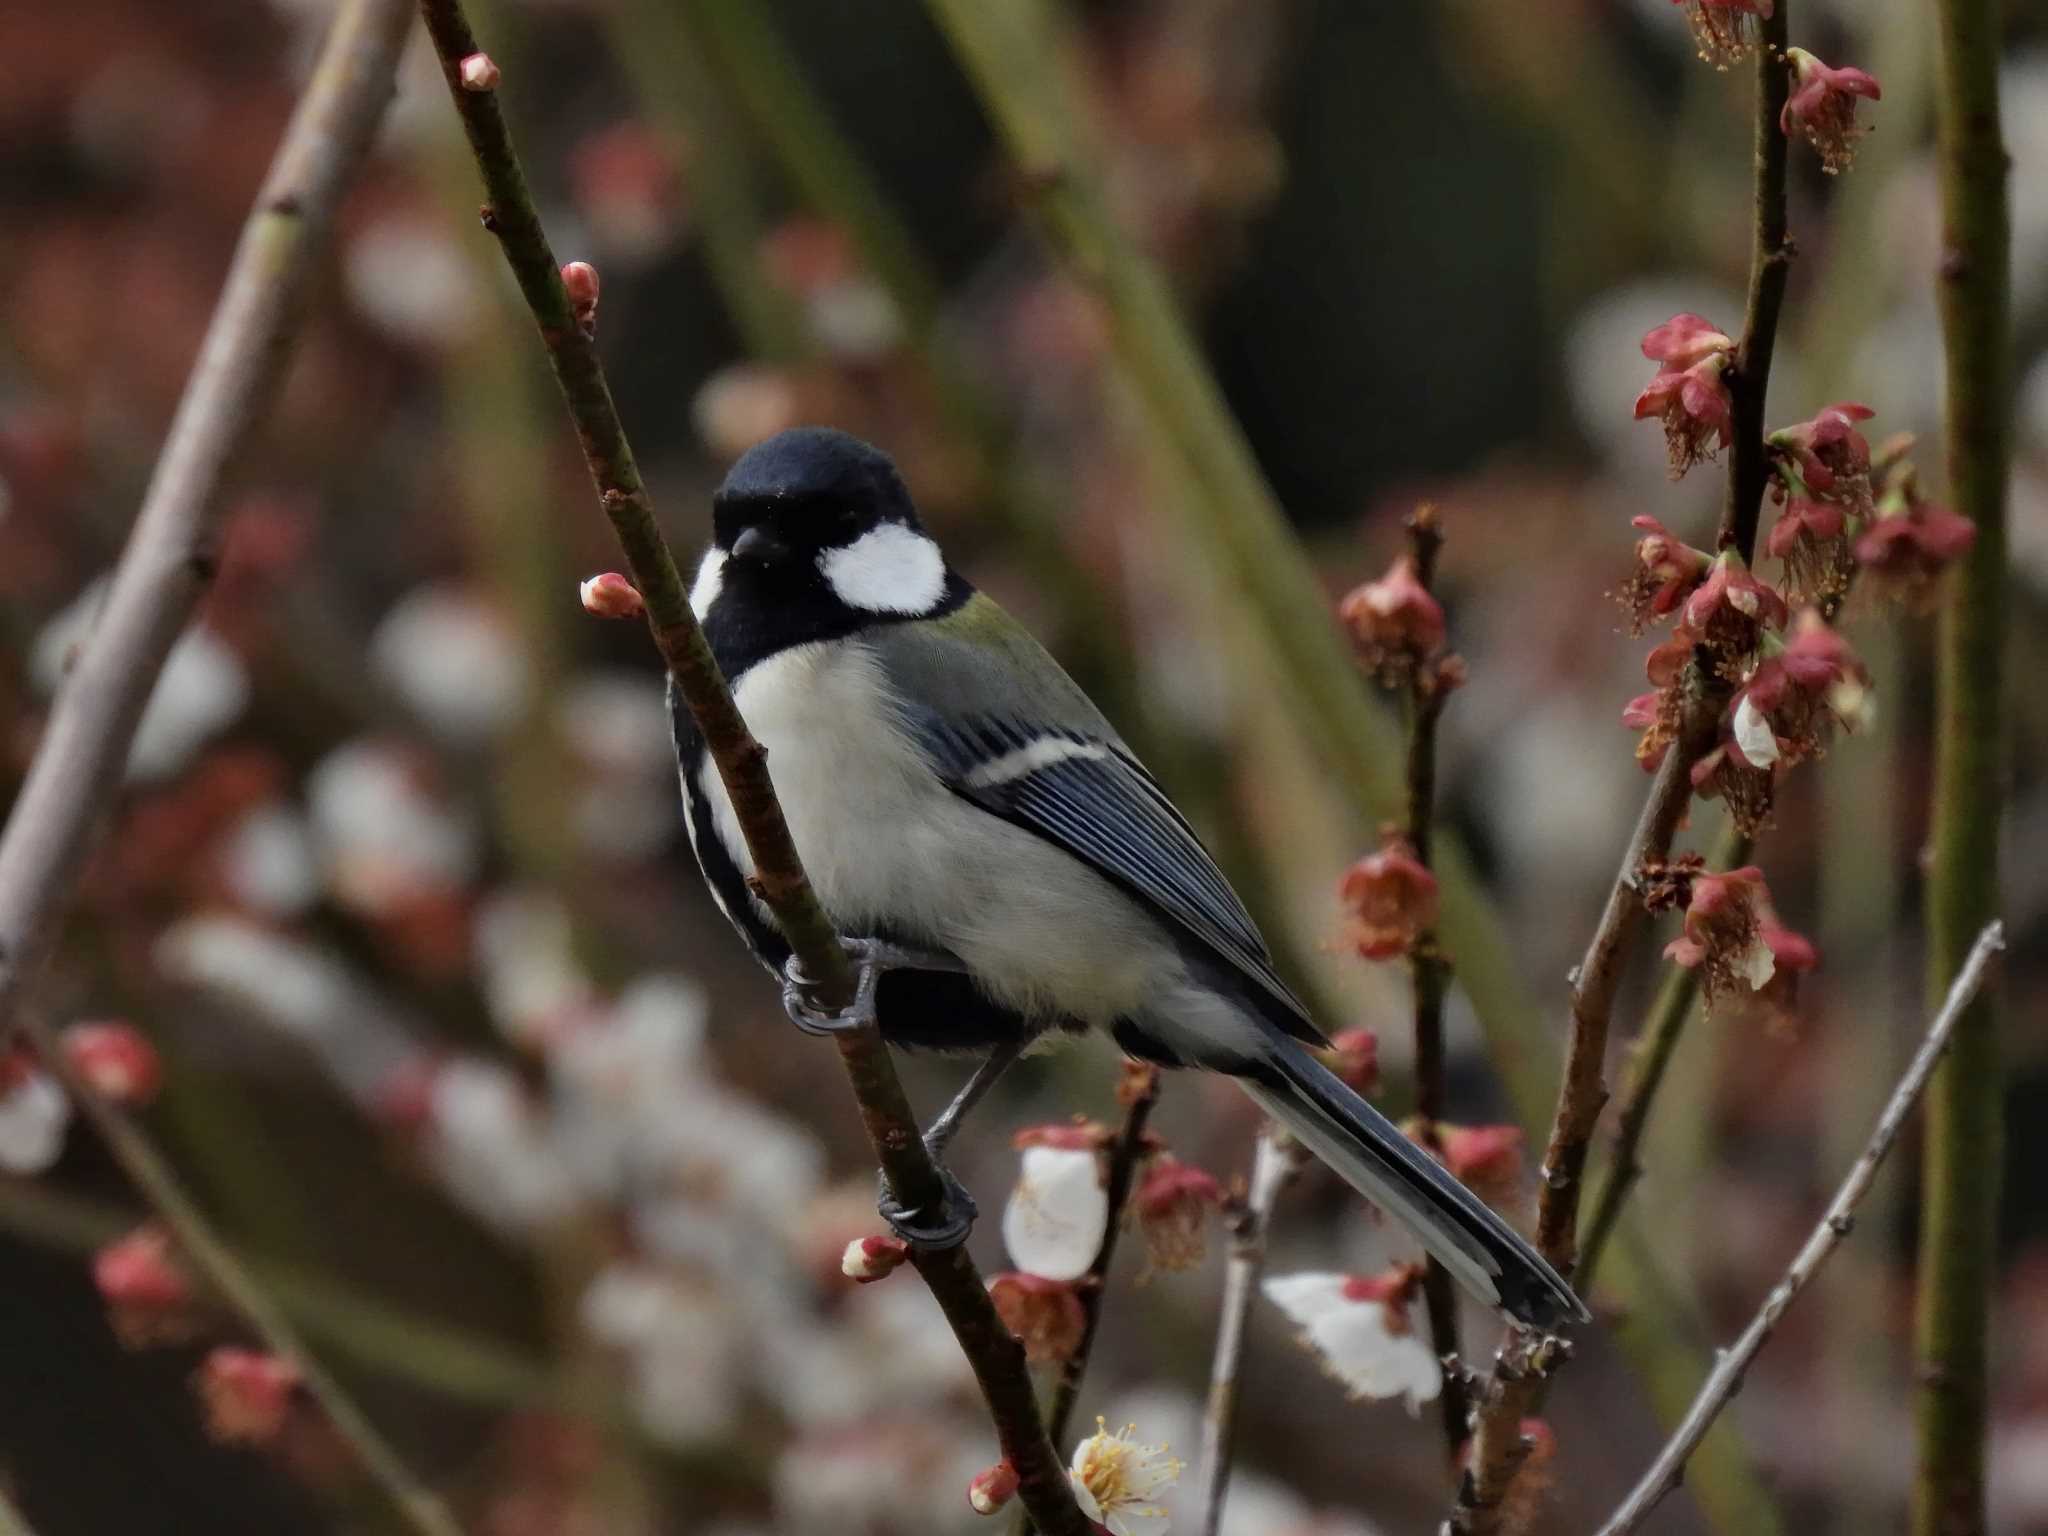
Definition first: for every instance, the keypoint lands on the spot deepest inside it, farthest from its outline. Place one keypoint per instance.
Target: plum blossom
(247, 1394)
(1390, 899)
(1829, 456)
(34, 1114)
(1360, 1327)
(1730, 612)
(148, 1294)
(1798, 692)
(1732, 935)
(1173, 1202)
(453, 656)
(1117, 1481)
(1910, 543)
(1724, 30)
(1823, 106)
(1667, 569)
(1688, 393)
(1659, 713)
(1811, 538)
(1056, 1215)
(1394, 622)
(1045, 1316)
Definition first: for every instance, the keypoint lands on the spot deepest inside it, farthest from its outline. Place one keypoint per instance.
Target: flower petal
(1056, 1215)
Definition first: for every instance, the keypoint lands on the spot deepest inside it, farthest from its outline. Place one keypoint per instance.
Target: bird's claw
(947, 1227)
(870, 958)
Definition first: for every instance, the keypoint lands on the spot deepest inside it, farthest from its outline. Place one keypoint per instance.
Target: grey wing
(1090, 796)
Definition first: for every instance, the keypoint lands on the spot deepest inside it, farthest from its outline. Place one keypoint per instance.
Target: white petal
(1758, 965)
(1359, 1350)
(1055, 1217)
(1306, 1297)
(1754, 738)
(33, 1116)
(455, 659)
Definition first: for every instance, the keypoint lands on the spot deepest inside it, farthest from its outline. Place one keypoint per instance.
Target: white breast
(888, 845)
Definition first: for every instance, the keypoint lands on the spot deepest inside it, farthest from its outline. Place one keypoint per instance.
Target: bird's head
(812, 517)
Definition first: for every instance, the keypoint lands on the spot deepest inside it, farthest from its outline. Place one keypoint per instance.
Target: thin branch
(1429, 689)
(1276, 1159)
(1140, 1094)
(1720, 1387)
(1960, 1173)
(996, 1357)
(1650, 1057)
(1498, 1449)
(171, 557)
(166, 567)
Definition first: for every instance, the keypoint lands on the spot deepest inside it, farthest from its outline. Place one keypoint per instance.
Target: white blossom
(680, 1347)
(383, 836)
(1754, 738)
(1364, 1343)
(526, 963)
(492, 1150)
(267, 860)
(1056, 1214)
(33, 1116)
(451, 656)
(1117, 1481)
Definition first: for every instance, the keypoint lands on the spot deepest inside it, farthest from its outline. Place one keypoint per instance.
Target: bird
(1001, 864)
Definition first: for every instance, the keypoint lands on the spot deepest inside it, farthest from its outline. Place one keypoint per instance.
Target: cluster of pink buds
(1689, 392)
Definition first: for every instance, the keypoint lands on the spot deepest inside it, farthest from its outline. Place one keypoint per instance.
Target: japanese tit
(952, 791)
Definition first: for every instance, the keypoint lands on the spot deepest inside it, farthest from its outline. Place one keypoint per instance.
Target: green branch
(1960, 1174)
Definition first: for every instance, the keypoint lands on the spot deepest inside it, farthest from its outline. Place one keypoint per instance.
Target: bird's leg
(871, 958)
(955, 1216)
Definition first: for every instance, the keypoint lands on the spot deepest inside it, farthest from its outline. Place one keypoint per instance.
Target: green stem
(996, 1358)
(1960, 1172)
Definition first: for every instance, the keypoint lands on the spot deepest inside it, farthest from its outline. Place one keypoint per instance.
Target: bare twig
(1276, 1159)
(1960, 1175)
(1140, 1094)
(996, 1357)
(1429, 689)
(172, 554)
(1720, 1387)
(167, 565)
(1498, 1447)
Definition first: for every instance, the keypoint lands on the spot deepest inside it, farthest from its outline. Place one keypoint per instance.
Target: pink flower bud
(1354, 1055)
(580, 279)
(992, 1488)
(1683, 340)
(1173, 1202)
(868, 1259)
(247, 1394)
(148, 1295)
(1394, 622)
(1823, 106)
(1045, 1316)
(1487, 1158)
(479, 73)
(116, 1059)
(1392, 899)
(609, 595)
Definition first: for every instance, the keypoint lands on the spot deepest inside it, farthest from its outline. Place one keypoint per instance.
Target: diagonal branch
(996, 1357)
(1720, 1387)
(166, 567)
(1498, 1449)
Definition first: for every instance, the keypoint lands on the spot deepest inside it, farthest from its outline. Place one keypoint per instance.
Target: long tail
(1481, 1251)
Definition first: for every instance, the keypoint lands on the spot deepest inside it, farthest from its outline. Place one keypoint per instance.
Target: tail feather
(1482, 1252)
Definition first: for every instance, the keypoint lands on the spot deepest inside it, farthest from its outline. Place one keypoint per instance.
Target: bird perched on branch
(1000, 864)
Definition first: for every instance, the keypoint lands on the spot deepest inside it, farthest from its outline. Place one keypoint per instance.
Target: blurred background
(457, 1050)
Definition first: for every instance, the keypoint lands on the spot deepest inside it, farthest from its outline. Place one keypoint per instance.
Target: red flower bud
(1823, 106)
(580, 279)
(478, 72)
(116, 1059)
(609, 595)
(248, 1395)
(1488, 1158)
(1045, 1316)
(148, 1295)
(868, 1259)
(992, 1488)
(1392, 898)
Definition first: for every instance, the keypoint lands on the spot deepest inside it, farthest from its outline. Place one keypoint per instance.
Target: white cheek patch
(888, 569)
(710, 577)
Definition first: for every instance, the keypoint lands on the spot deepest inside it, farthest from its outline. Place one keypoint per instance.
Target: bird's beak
(759, 546)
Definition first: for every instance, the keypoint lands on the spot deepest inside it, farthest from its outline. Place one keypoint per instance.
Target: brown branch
(166, 567)
(1725, 1381)
(1498, 1449)
(1139, 1093)
(1276, 1159)
(1429, 689)
(996, 1357)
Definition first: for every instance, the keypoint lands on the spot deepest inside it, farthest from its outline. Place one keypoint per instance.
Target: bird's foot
(870, 958)
(945, 1226)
